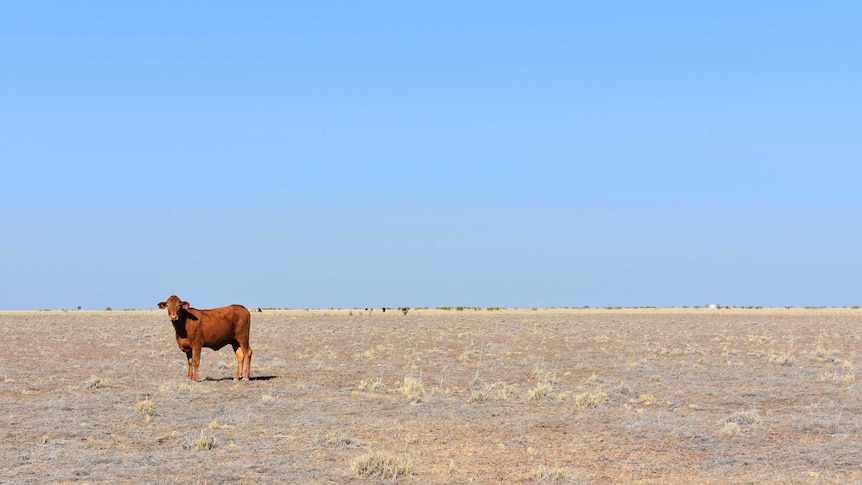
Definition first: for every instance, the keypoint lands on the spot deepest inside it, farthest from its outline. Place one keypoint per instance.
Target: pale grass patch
(831, 376)
(551, 474)
(184, 387)
(478, 396)
(374, 384)
(413, 389)
(369, 354)
(337, 439)
(750, 417)
(203, 443)
(734, 423)
(542, 390)
(783, 359)
(499, 391)
(729, 429)
(827, 376)
(268, 398)
(593, 380)
(146, 406)
(646, 399)
(95, 383)
(591, 399)
(382, 466)
(505, 391)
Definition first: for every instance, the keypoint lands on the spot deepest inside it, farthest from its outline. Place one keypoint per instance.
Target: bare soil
(438, 396)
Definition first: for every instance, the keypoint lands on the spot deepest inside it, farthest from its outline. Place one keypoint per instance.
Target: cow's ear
(185, 305)
(163, 305)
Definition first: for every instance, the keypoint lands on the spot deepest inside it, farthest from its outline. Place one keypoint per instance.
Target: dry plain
(438, 396)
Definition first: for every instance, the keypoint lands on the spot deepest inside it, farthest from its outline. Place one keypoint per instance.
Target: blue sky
(355, 154)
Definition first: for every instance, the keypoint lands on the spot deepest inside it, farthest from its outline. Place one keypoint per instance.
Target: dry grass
(438, 396)
(379, 465)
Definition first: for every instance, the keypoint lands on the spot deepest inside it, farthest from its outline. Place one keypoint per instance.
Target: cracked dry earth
(438, 396)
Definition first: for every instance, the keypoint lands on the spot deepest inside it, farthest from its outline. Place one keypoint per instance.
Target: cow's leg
(243, 361)
(189, 356)
(196, 361)
(239, 359)
(246, 354)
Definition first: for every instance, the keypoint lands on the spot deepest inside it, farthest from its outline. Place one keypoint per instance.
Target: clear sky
(317, 154)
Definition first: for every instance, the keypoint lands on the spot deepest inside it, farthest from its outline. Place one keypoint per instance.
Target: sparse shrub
(378, 465)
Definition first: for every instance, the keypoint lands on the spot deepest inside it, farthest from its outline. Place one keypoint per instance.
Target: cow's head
(174, 304)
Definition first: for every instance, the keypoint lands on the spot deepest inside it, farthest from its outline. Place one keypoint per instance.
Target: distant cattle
(213, 329)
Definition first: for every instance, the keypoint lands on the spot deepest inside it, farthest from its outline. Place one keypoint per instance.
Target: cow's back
(224, 325)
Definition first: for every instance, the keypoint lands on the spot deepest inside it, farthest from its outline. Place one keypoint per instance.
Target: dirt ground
(438, 396)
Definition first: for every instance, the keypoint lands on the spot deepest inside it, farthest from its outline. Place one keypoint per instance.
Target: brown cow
(213, 329)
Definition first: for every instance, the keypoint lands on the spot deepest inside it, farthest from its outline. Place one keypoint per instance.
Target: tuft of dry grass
(591, 399)
(383, 466)
(550, 474)
(204, 443)
(413, 389)
(729, 429)
(95, 383)
(542, 390)
(374, 384)
(734, 423)
(147, 406)
(783, 359)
